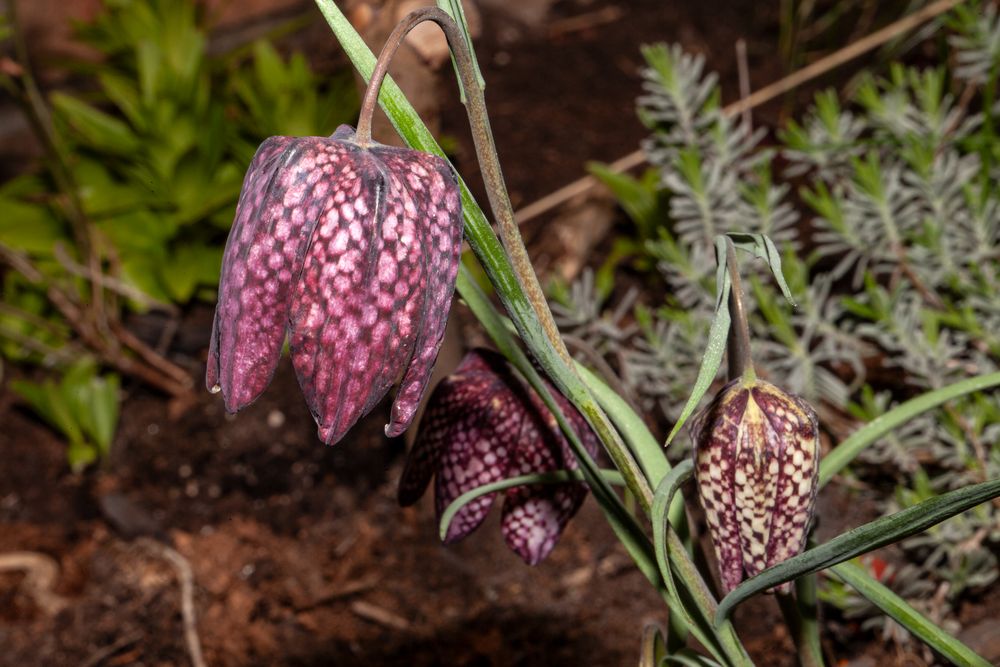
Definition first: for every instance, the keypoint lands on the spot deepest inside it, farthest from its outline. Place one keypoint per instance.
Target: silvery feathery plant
(349, 250)
(895, 190)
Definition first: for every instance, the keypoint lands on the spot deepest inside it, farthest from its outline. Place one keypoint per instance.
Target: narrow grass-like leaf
(717, 336)
(761, 245)
(688, 658)
(846, 451)
(863, 539)
(644, 446)
(457, 12)
(661, 500)
(919, 625)
(557, 477)
(654, 646)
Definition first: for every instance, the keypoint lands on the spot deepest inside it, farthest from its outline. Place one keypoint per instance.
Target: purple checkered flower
(756, 453)
(483, 425)
(352, 252)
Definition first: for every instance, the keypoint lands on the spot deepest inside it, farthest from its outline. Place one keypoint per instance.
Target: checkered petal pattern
(756, 452)
(352, 253)
(483, 425)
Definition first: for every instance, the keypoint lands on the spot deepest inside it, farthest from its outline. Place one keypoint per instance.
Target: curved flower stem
(486, 153)
(560, 365)
(740, 361)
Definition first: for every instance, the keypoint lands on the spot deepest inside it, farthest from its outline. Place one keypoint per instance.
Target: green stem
(536, 327)
(740, 361)
(555, 477)
(799, 612)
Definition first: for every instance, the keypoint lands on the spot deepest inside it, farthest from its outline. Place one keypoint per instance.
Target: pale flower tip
(215, 388)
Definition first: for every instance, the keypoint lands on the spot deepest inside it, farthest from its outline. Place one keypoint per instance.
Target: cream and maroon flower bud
(351, 251)
(756, 452)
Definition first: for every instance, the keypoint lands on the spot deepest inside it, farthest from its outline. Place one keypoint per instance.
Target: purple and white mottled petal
(461, 435)
(433, 190)
(758, 454)
(533, 517)
(261, 262)
(336, 335)
(756, 451)
(796, 487)
(714, 435)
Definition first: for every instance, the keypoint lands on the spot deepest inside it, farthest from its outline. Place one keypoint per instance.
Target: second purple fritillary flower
(352, 252)
(756, 452)
(483, 425)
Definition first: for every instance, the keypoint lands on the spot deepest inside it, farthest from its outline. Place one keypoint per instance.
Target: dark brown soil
(299, 552)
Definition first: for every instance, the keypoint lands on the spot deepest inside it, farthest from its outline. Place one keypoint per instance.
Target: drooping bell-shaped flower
(350, 250)
(756, 452)
(483, 425)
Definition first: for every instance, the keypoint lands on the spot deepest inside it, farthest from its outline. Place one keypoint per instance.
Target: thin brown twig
(765, 94)
(110, 283)
(743, 68)
(585, 21)
(185, 577)
(41, 573)
(113, 356)
(105, 652)
(151, 356)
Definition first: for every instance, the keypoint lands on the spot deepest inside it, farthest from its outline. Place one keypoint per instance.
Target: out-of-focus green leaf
(82, 406)
(95, 128)
(642, 198)
(28, 227)
(190, 266)
(123, 92)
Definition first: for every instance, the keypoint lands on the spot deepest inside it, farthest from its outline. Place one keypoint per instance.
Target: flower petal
(262, 260)
(433, 190)
(795, 488)
(714, 434)
(336, 337)
(468, 417)
(533, 517)
(757, 455)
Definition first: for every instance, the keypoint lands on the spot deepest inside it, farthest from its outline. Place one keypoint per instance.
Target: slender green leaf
(97, 128)
(654, 646)
(644, 446)
(456, 11)
(860, 540)
(555, 477)
(919, 625)
(760, 245)
(661, 526)
(718, 334)
(846, 451)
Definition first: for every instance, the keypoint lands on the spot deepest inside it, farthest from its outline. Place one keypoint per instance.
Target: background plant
(887, 212)
(640, 461)
(128, 210)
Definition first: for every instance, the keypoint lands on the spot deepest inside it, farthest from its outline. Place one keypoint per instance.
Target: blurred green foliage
(82, 405)
(886, 204)
(145, 159)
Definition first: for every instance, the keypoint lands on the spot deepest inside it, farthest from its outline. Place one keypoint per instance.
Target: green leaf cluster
(82, 405)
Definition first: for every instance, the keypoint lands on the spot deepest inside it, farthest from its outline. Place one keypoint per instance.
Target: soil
(299, 552)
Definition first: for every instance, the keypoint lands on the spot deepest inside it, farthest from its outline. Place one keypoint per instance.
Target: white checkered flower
(756, 452)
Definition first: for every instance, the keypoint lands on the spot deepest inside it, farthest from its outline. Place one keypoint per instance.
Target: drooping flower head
(482, 425)
(350, 250)
(756, 452)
